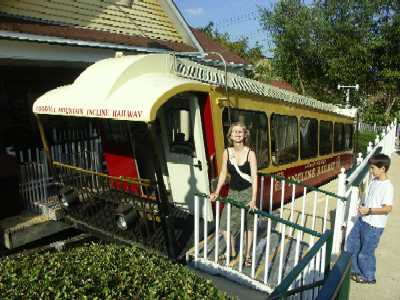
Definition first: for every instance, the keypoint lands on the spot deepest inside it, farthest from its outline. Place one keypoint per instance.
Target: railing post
(340, 210)
(370, 147)
(383, 133)
(205, 234)
(217, 231)
(359, 158)
(377, 140)
(352, 212)
(196, 227)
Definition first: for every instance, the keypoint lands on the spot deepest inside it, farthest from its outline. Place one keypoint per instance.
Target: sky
(237, 17)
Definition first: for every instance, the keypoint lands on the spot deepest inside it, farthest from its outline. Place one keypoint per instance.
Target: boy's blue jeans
(361, 243)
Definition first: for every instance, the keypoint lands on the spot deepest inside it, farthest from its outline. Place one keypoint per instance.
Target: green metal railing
(282, 291)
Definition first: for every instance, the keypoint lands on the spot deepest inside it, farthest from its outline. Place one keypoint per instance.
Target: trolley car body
(178, 112)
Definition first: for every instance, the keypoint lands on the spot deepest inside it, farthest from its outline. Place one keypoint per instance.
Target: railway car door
(184, 148)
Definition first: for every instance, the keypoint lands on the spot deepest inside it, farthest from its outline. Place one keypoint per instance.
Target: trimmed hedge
(96, 271)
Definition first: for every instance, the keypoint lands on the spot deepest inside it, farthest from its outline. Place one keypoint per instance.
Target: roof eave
(81, 43)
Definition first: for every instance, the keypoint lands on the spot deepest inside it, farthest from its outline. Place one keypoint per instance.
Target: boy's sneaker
(362, 280)
(354, 276)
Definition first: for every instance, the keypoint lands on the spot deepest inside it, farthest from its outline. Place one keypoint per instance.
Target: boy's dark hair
(380, 160)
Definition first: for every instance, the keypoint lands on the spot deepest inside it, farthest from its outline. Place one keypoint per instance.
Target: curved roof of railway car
(134, 87)
(126, 88)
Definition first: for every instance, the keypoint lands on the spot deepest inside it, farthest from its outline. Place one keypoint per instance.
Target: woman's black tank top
(237, 183)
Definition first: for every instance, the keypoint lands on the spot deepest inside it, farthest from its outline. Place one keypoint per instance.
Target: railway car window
(257, 123)
(325, 137)
(338, 134)
(284, 141)
(348, 136)
(308, 138)
(116, 131)
(180, 131)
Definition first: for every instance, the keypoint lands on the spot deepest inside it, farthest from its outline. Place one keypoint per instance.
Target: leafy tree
(329, 42)
(262, 68)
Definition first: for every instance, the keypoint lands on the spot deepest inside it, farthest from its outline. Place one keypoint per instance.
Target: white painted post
(339, 216)
(205, 218)
(352, 212)
(216, 231)
(377, 140)
(253, 260)
(383, 134)
(282, 202)
(267, 247)
(280, 270)
(242, 212)
(292, 208)
(228, 235)
(359, 158)
(370, 147)
(271, 194)
(196, 228)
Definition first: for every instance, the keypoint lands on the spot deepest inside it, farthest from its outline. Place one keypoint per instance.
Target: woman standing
(241, 164)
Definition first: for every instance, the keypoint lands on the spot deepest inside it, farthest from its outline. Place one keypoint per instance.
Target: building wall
(20, 86)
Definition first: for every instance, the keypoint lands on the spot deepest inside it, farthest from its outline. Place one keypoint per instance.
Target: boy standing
(365, 235)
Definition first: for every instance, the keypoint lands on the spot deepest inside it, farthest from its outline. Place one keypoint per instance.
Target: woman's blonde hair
(246, 133)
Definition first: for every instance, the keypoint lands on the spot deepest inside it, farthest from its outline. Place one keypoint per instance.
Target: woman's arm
(222, 176)
(253, 174)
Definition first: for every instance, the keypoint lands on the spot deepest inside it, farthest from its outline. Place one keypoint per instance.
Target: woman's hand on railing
(252, 205)
(213, 196)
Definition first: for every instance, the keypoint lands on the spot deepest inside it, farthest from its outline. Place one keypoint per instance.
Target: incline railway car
(163, 119)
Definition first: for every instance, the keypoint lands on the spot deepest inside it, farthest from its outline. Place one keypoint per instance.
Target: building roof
(283, 85)
(210, 45)
(153, 19)
(10, 24)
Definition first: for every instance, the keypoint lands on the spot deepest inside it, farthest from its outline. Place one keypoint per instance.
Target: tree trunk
(303, 91)
(391, 101)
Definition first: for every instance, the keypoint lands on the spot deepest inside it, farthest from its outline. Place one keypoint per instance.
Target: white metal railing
(81, 146)
(363, 127)
(282, 234)
(281, 237)
(346, 213)
(33, 179)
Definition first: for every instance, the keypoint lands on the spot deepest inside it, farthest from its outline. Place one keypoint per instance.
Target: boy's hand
(362, 210)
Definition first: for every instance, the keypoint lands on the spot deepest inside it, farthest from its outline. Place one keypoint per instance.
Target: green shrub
(363, 139)
(97, 271)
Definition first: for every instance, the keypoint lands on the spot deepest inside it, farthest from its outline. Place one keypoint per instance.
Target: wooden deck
(26, 228)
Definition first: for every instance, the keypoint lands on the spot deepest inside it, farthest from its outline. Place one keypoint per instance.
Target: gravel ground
(388, 252)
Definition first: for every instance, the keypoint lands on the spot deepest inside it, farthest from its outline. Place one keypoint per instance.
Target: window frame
(315, 153)
(186, 147)
(319, 137)
(260, 164)
(276, 162)
(350, 146)
(336, 146)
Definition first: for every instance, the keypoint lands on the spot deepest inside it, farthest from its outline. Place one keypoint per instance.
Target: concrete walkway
(388, 252)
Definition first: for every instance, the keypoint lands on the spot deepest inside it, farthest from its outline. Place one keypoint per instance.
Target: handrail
(264, 214)
(281, 291)
(143, 182)
(309, 187)
(337, 282)
(360, 168)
